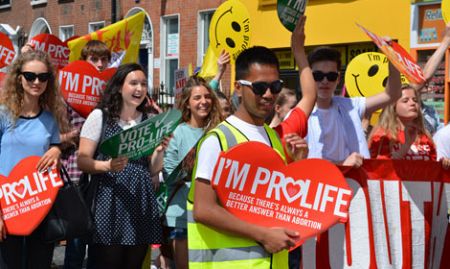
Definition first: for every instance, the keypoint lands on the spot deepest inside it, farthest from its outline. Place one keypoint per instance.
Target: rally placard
(399, 57)
(26, 196)
(123, 38)
(82, 84)
(230, 29)
(7, 52)
(142, 139)
(398, 218)
(58, 50)
(308, 196)
(289, 11)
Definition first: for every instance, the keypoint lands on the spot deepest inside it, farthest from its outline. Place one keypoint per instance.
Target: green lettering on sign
(289, 11)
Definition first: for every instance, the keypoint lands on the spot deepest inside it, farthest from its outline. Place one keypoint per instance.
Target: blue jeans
(75, 252)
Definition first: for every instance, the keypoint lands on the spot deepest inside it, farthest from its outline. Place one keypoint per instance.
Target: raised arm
(308, 85)
(435, 59)
(390, 94)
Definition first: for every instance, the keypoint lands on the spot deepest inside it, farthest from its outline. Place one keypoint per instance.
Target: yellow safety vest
(212, 249)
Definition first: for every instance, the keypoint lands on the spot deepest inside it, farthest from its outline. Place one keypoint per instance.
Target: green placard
(142, 139)
(289, 11)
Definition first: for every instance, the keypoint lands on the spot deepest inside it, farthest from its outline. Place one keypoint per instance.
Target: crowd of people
(34, 120)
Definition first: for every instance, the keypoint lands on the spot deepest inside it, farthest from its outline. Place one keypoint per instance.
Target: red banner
(7, 52)
(398, 218)
(58, 50)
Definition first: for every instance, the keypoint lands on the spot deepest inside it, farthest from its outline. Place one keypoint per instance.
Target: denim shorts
(177, 233)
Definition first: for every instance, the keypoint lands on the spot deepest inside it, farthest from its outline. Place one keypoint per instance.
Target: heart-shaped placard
(308, 196)
(58, 50)
(7, 52)
(82, 84)
(26, 196)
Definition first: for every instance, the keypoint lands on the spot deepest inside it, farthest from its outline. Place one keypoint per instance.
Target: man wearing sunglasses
(244, 245)
(335, 132)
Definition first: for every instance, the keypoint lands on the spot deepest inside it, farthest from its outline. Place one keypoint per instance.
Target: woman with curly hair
(31, 113)
(400, 132)
(201, 111)
(126, 217)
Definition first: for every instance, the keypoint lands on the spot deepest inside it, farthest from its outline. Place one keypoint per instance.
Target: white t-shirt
(92, 127)
(336, 132)
(210, 148)
(442, 140)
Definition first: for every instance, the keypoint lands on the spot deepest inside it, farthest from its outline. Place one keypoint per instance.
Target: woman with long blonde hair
(31, 113)
(201, 111)
(400, 132)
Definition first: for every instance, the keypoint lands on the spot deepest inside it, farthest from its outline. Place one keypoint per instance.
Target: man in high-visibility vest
(216, 238)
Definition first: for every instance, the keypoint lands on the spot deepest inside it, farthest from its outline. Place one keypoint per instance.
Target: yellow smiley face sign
(445, 8)
(230, 28)
(367, 74)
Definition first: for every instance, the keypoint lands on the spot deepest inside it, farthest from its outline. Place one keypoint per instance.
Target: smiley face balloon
(367, 74)
(230, 28)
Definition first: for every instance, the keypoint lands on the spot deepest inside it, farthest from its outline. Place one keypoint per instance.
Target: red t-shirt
(382, 146)
(295, 122)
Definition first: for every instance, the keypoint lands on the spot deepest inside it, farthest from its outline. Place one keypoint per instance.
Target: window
(94, 26)
(170, 51)
(66, 32)
(5, 4)
(203, 34)
(38, 2)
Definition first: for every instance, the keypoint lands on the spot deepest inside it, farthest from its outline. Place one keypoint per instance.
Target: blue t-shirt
(29, 137)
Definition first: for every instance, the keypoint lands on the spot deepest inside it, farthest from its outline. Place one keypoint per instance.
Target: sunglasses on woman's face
(42, 77)
(260, 87)
(319, 76)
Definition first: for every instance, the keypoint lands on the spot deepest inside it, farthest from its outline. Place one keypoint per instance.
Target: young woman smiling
(126, 216)
(31, 113)
(201, 112)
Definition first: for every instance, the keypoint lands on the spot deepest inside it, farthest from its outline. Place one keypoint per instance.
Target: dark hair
(325, 53)
(111, 102)
(284, 95)
(253, 55)
(95, 48)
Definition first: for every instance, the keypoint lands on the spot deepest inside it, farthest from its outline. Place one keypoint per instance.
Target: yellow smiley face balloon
(230, 28)
(367, 74)
(445, 7)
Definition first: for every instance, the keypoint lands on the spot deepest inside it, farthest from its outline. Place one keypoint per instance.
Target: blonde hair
(215, 115)
(12, 95)
(390, 122)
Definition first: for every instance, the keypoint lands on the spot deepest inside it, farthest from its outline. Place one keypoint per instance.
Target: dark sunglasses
(30, 76)
(260, 87)
(331, 76)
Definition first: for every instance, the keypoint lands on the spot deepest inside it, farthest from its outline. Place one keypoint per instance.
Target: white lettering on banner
(385, 257)
(38, 45)
(146, 139)
(439, 223)
(389, 249)
(19, 189)
(58, 51)
(71, 82)
(417, 193)
(6, 55)
(275, 182)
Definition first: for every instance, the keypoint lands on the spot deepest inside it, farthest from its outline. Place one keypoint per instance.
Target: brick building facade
(175, 32)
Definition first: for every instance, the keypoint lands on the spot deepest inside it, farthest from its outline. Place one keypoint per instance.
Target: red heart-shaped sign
(58, 50)
(308, 196)
(82, 84)
(26, 196)
(7, 52)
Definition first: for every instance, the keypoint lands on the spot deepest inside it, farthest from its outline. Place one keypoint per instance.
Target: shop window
(203, 34)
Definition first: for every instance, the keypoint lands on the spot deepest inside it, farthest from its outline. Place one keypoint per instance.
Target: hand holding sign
(27, 195)
(398, 57)
(82, 84)
(142, 139)
(308, 196)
